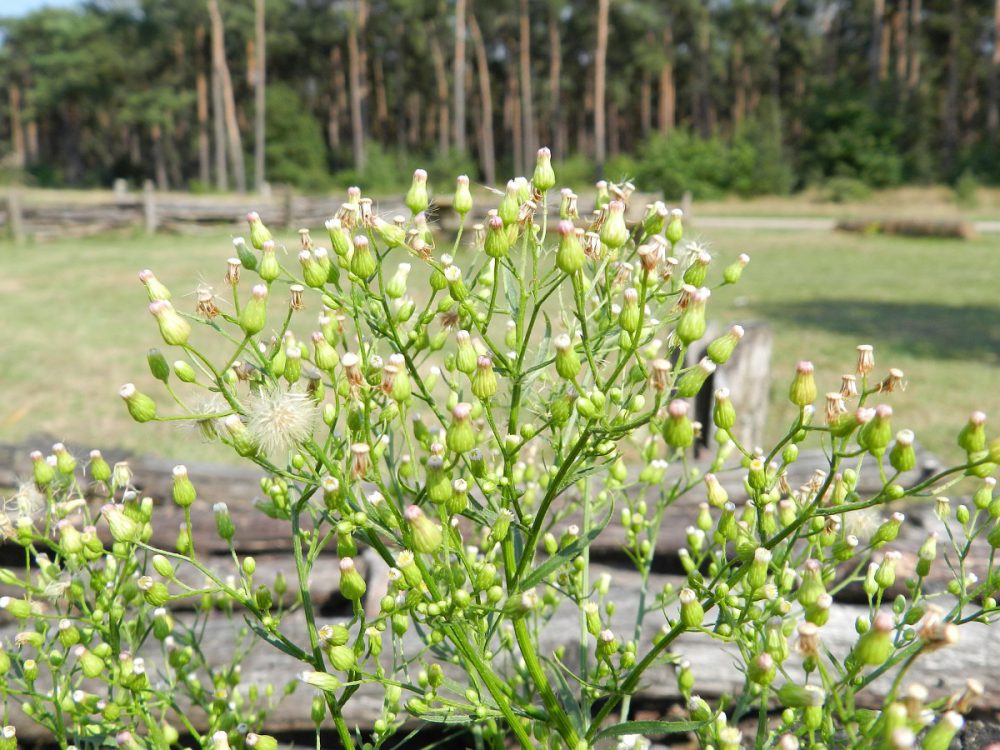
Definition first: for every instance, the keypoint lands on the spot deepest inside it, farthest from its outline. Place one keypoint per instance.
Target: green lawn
(75, 326)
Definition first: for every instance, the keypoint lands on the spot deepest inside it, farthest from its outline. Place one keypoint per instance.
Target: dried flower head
(280, 420)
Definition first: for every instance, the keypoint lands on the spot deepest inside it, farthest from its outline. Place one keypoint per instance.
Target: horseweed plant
(478, 434)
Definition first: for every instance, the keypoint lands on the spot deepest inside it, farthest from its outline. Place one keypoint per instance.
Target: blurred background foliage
(744, 97)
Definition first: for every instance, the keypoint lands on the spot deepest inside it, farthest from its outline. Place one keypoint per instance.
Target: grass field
(75, 327)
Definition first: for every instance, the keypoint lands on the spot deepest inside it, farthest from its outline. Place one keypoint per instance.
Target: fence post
(15, 215)
(149, 207)
(288, 207)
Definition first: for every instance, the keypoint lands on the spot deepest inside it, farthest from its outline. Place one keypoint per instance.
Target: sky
(20, 7)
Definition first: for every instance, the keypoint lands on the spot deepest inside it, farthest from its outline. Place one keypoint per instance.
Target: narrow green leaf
(564, 555)
(650, 727)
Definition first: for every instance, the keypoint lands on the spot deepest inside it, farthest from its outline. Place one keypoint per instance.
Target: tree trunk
(229, 101)
(700, 90)
(355, 75)
(338, 98)
(260, 95)
(875, 50)
(739, 87)
(514, 117)
(219, 127)
(381, 99)
(32, 141)
(487, 157)
(913, 75)
(556, 130)
(16, 128)
(159, 162)
(900, 43)
(441, 89)
(667, 109)
(458, 84)
(527, 102)
(201, 86)
(600, 84)
(645, 104)
(993, 112)
(951, 133)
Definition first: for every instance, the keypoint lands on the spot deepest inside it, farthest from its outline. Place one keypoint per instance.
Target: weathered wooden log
(953, 228)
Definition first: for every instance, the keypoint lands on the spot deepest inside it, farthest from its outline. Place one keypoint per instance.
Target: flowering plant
(477, 431)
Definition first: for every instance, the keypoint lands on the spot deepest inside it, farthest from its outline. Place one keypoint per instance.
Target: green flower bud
(757, 574)
(723, 411)
(614, 231)
(123, 528)
(462, 202)
(875, 435)
(734, 271)
(691, 324)
(158, 365)
(875, 645)
(223, 522)
(154, 289)
(675, 228)
(762, 670)
(484, 381)
(427, 535)
(396, 287)
(140, 407)
(270, 268)
(245, 259)
(678, 431)
(416, 197)
(812, 586)
(340, 239)
(184, 372)
(888, 531)
(497, 243)
(90, 663)
(717, 495)
(457, 289)
(697, 272)
(392, 234)
(791, 695)
(259, 233)
(312, 272)
(692, 613)
(261, 742)
(903, 457)
(253, 316)
(154, 592)
(939, 736)
(570, 256)
(352, 585)
(183, 490)
(630, 316)
(363, 263)
(568, 363)
(722, 348)
(544, 177)
(173, 328)
(972, 438)
(460, 436)
(342, 657)
(692, 380)
(802, 392)
(65, 462)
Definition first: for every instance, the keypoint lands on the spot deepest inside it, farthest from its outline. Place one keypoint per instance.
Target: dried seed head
(866, 359)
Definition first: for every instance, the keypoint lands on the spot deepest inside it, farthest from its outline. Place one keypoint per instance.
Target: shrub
(845, 190)
(295, 151)
(474, 425)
